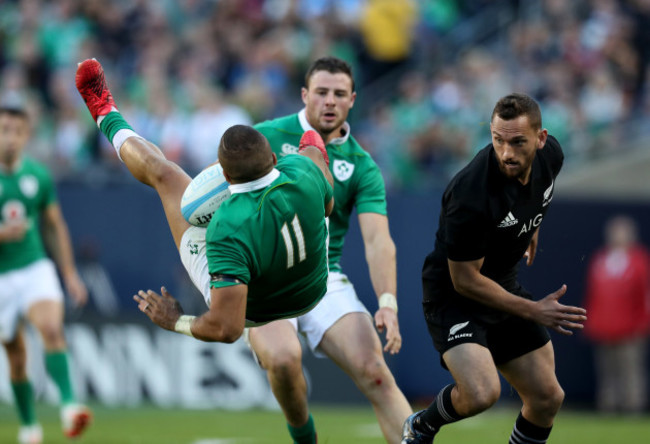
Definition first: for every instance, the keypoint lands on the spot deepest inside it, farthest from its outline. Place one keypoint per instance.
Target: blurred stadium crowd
(428, 73)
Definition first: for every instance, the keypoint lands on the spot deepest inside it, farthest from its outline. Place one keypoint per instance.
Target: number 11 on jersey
(288, 242)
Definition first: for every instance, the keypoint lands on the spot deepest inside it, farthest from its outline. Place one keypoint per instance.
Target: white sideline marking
(371, 430)
(222, 440)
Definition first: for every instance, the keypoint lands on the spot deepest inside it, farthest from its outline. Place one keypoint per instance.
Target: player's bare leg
(533, 376)
(476, 377)
(476, 388)
(353, 344)
(144, 160)
(30, 431)
(279, 351)
(47, 317)
(147, 163)
(17, 357)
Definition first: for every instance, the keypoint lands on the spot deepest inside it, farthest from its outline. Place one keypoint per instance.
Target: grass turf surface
(336, 425)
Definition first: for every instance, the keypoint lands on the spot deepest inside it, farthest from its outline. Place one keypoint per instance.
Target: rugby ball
(204, 195)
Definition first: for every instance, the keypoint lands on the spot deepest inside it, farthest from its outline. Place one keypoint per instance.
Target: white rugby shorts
(340, 300)
(21, 288)
(193, 256)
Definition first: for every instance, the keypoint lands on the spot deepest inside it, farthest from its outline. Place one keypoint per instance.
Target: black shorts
(507, 339)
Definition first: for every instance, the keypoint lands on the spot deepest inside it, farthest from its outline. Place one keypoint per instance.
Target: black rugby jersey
(486, 215)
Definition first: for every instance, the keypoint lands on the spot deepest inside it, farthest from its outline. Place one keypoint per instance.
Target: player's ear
(541, 138)
(303, 95)
(228, 179)
(352, 99)
(275, 159)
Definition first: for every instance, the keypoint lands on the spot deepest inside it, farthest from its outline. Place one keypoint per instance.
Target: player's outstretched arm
(57, 240)
(561, 318)
(380, 255)
(531, 251)
(469, 282)
(223, 322)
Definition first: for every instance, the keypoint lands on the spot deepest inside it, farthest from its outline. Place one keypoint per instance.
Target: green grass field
(342, 425)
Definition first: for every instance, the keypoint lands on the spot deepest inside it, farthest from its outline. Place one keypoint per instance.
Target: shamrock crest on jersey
(28, 185)
(343, 170)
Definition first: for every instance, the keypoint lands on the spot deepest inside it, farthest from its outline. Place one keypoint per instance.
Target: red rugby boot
(312, 138)
(93, 88)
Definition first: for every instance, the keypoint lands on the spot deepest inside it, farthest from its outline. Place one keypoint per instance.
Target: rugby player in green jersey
(243, 263)
(29, 286)
(340, 327)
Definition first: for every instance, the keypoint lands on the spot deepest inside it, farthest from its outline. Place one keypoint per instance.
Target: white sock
(120, 137)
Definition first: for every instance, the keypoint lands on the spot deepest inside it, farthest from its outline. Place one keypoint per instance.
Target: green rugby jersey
(24, 194)
(271, 234)
(357, 179)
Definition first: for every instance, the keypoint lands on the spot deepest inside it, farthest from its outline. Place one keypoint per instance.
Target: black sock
(525, 432)
(440, 412)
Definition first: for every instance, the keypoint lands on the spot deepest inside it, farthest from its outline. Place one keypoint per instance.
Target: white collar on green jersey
(256, 184)
(304, 123)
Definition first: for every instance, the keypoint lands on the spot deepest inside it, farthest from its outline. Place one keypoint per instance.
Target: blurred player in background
(340, 327)
(245, 264)
(481, 320)
(30, 220)
(618, 302)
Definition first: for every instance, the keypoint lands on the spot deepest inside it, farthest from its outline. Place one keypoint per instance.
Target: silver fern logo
(455, 328)
(453, 332)
(548, 195)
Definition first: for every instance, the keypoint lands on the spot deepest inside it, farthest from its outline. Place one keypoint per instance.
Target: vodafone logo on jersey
(13, 210)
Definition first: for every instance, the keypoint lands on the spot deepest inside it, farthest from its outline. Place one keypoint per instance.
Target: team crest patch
(28, 185)
(343, 170)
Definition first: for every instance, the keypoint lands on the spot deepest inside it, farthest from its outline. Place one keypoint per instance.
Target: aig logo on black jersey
(531, 224)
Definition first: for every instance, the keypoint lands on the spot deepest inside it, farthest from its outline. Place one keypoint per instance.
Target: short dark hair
(332, 65)
(245, 154)
(14, 111)
(516, 105)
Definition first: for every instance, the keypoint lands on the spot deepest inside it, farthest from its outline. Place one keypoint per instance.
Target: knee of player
(17, 365)
(480, 398)
(287, 362)
(550, 399)
(52, 334)
(163, 171)
(373, 373)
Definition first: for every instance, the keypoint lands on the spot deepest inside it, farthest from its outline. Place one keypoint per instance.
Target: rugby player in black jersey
(480, 318)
